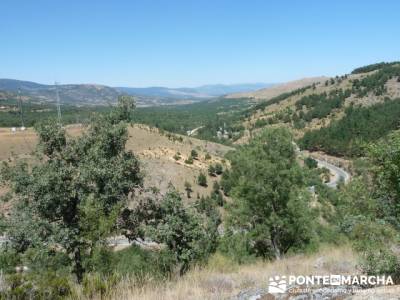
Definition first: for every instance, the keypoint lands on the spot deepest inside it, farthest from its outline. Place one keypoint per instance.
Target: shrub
(236, 246)
(143, 264)
(189, 160)
(188, 189)
(194, 154)
(96, 284)
(188, 235)
(219, 169)
(37, 286)
(375, 242)
(311, 163)
(211, 170)
(202, 180)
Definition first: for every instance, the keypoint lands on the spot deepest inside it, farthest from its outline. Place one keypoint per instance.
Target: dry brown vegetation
(155, 150)
(223, 279)
(276, 90)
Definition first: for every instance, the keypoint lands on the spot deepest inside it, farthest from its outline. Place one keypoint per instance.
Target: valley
(200, 150)
(228, 170)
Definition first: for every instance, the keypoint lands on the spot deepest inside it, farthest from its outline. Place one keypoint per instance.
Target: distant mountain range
(204, 91)
(94, 94)
(75, 94)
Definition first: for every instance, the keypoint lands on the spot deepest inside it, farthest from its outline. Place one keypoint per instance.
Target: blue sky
(189, 43)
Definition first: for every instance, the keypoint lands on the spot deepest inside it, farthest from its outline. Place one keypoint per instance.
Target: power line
(58, 104)
(20, 109)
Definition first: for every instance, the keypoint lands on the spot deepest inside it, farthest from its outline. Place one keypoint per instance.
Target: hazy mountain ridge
(204, 91)
(75, 94)
(95, 94)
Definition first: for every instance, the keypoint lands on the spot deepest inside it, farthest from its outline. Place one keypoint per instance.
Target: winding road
(339, 173)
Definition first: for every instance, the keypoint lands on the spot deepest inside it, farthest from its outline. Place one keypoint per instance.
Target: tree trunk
(78, 268)
(275, 246)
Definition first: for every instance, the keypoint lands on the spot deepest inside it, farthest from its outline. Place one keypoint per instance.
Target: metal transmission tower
(58, 104)
(20, 110)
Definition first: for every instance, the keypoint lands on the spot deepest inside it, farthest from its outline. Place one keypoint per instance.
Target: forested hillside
(350, 135)
(339, 116)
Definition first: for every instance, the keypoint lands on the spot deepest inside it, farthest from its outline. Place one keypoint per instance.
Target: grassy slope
(276, 90)
(155, 151)
(223, 279)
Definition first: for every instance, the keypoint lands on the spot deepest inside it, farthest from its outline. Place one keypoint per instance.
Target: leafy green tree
(271, 204)
(202, 179)
(72, 197)
(385, 157)
(185, 232)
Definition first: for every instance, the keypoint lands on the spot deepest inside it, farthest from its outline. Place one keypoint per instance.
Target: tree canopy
(271, 205)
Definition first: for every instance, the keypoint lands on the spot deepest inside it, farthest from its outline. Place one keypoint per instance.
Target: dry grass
(222, 279)
(155, 151)
(270, 92)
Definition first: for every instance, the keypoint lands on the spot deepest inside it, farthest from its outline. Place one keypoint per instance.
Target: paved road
(194, 131)
(339, 173)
